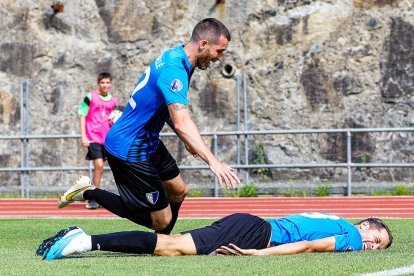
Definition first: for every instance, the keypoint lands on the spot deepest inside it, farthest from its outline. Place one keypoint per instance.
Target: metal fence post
(238, 120)
(22, 141)
(349, 161)
(27, 88)
(90, 169)
(246, 128)
(215, 153)
(24, 132)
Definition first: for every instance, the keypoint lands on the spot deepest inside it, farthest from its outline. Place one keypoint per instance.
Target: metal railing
(24, 169)
(241, 163)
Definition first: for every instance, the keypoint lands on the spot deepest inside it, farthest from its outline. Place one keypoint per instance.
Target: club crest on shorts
(152, 197)
(176, 85)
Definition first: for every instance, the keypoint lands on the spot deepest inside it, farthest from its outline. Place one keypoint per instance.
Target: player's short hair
(104, 75)
(210, 29)
(378, 224)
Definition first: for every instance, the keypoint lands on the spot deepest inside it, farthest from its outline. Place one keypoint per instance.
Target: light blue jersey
(313, 226)
(135, 136)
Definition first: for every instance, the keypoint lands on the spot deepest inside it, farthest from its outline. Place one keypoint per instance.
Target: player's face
(210, 52)
(104, 86)
(373, 239)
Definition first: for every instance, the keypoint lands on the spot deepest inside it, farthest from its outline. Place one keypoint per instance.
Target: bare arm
(185, 128)
(171, 124)
(82, 124)
(321, 245)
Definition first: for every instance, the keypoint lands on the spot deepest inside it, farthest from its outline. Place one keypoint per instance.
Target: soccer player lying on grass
(237, 234)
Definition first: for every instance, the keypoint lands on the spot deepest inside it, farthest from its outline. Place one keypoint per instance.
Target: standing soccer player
(94, 125)
(150, 186)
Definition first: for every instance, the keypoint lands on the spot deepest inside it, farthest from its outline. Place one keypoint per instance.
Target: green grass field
(19, 239)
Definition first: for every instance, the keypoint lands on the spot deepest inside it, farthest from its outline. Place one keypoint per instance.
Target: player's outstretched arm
(321, 245)
(189, 133)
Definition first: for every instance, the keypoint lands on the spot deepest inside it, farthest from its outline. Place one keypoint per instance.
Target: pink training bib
(97, 119)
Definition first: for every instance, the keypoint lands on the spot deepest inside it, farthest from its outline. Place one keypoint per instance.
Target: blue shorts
(244, 230)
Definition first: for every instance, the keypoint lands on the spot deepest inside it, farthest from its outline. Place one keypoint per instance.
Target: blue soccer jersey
(313, 226)
(135, 136)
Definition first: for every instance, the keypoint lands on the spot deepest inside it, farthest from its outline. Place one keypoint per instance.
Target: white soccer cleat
(75, 192)
(66, 242)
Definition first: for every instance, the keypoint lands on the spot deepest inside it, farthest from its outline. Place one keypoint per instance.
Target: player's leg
(157, 220)
(135, 202)
(244, 230)
(172, 181)
(176, 190)
(96, 152)
(98, 168)
(74, 240)
(115, 204)
(140, 242)
(142, 198)
(175, 245)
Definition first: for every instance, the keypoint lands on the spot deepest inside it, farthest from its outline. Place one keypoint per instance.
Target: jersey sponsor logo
(152, 197)
(176, 85)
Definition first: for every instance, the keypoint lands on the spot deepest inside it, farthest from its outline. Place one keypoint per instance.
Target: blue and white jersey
(135, 136)
(313, 226)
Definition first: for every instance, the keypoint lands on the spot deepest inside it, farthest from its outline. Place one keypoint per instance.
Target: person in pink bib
(95, 122)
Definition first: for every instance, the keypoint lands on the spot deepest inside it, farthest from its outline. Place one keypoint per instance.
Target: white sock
(80, 244)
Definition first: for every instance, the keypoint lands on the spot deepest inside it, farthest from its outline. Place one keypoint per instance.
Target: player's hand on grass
(225, 175)
(232, 249)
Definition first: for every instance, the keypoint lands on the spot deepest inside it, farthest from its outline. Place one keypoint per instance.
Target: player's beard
(203, 64)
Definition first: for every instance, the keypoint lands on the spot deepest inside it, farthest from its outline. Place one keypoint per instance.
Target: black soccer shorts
(95, 151)
(244, 230)
(140, 183)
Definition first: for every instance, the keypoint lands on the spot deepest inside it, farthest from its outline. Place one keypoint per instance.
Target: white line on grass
(393, 272)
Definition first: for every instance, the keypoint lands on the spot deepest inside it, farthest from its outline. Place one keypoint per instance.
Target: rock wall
(309, 64)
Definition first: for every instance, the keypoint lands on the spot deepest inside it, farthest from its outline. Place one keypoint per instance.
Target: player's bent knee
(178, 196)
(184, 192)
(160, 225)
(161, 220)
(176, 189)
